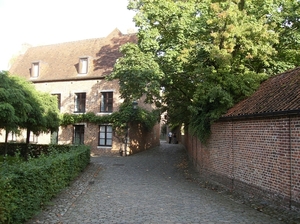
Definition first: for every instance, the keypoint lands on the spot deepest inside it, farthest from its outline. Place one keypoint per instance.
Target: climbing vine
(118, 119)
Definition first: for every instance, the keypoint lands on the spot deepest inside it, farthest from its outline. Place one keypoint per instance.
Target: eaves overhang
(262, 115)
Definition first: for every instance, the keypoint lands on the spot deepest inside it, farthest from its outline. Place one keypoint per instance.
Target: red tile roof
(279, 94)
(60, 61)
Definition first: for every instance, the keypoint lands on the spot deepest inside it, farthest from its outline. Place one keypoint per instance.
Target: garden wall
(256, 157)
(142, 139)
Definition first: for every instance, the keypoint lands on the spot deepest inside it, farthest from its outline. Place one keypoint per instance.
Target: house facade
(254, 149)
(75, 72)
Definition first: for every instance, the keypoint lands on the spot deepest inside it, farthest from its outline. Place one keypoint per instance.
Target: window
(12, 137)
(78, 135)
(106, 102)
(33, 138)
(80, 99)
(54, 137)
(35, 69)
(83, 65)
(58, 95)
(105, 135)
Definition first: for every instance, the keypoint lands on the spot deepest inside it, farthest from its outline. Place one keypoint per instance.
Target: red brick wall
(260, 157)
(295, 162)
(142, 139)
(93, 89)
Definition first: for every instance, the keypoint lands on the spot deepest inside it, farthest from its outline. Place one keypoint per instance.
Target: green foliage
(118, 119)
(27, 186)
(51, 112)
(11, 159)
(137, 66)
(14, 108)
(71, 119)
(22, 106)
(207, 55)
(31, 150)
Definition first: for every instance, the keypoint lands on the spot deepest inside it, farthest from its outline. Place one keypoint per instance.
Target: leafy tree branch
(225, 49)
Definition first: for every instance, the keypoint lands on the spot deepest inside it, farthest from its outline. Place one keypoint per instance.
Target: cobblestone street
(148, 187)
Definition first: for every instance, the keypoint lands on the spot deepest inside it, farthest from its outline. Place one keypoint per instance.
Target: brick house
(75, 72)
(254, 149)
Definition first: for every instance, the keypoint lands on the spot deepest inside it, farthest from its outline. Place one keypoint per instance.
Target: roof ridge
(83, 40)
(67, 42)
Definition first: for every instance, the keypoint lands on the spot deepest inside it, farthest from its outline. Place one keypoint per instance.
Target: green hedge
(25, 187)
(31, 150)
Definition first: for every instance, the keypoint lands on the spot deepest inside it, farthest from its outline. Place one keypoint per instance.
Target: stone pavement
(148, 187)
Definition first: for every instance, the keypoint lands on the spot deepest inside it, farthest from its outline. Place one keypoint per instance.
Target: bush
(25, 187)
(11, 160)
(31, 150)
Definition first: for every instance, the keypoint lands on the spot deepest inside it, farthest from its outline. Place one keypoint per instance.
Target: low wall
(256, 157)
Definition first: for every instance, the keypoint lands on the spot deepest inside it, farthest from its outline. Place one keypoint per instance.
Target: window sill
(105, 113)
(104, 147)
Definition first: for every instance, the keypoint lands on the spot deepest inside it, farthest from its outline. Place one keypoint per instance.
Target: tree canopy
(206, 55)
(22, 106)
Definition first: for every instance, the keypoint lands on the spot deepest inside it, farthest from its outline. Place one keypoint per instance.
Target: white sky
(40, 22)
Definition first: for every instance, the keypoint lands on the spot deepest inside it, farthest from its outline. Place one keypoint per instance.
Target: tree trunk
(6, 145)
(27, 136)
(27, 143)
(242, 5)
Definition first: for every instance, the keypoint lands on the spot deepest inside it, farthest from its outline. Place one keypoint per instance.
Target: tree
(209, 54)
(51, 112)
(43, 115)
(13, 107)
(138, 75)
(22, 106)
(35, 120)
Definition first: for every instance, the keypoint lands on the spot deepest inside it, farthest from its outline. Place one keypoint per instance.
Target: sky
(43, 22)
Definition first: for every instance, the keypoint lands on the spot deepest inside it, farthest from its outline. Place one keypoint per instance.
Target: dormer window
(83, 65)
(35, 69)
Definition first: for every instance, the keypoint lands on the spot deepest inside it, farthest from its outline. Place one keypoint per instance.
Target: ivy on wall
(119, 119)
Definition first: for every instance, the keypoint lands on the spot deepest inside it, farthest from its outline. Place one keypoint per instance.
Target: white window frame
(105, 137)
(35, 69)
(83, 65)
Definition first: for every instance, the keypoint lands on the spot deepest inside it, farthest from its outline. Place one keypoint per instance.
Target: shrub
(25, 187)
(31, 150)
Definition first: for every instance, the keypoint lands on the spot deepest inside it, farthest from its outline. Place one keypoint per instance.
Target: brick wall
(257, 157)
(142, 139)
(295, 162)
(92, 88)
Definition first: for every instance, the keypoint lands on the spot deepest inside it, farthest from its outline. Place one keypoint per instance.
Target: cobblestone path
(148, 187)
